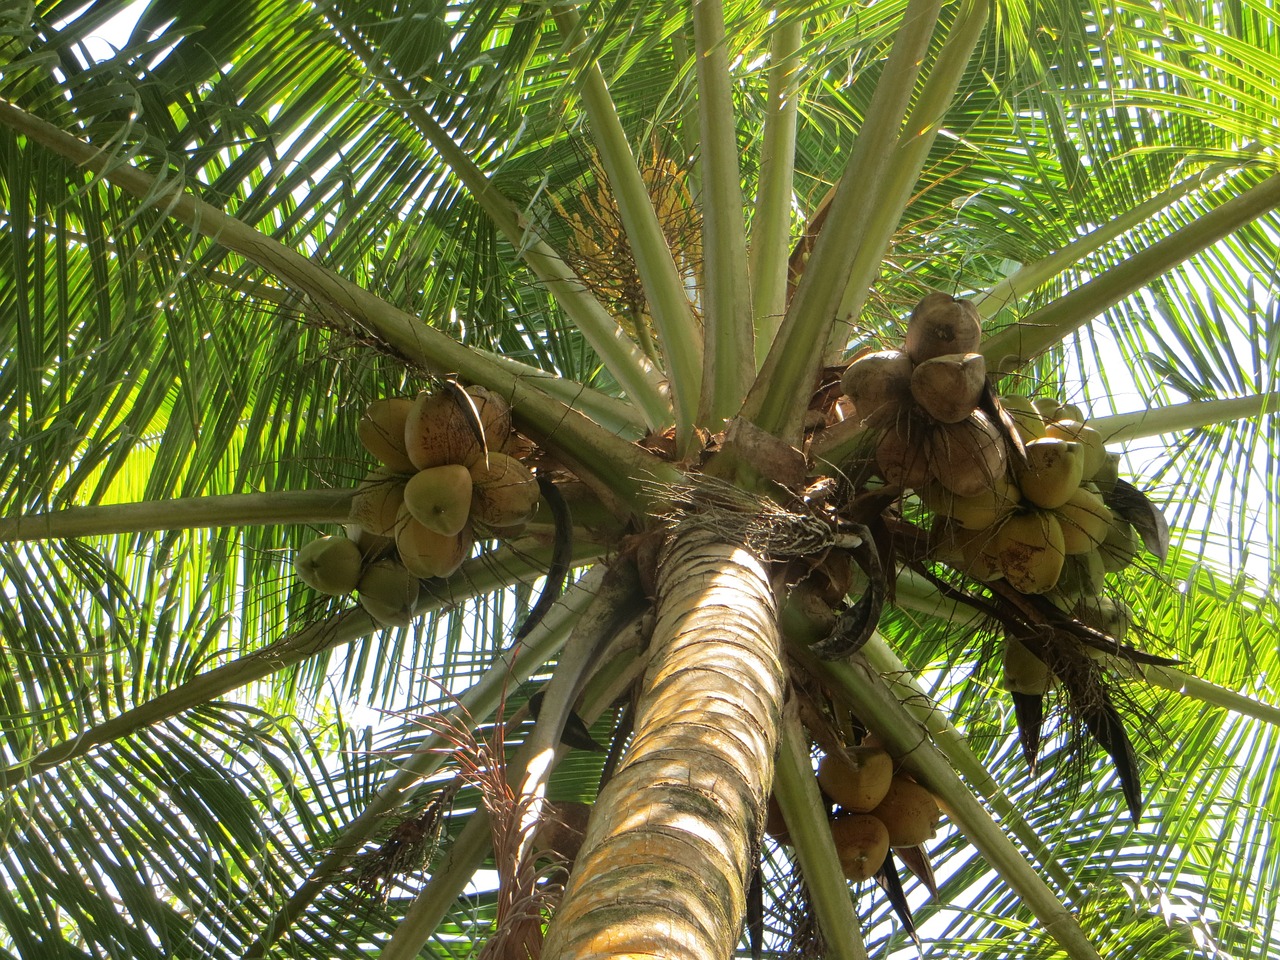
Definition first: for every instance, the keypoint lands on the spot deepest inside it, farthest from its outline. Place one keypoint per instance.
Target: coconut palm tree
(659, 232)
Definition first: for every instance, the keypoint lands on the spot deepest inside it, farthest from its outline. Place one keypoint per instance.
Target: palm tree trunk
(672, 842)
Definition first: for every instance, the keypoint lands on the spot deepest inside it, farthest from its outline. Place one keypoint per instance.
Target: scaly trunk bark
(672, 842)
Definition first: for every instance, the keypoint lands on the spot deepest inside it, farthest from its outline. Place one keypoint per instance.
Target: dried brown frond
(407, 850)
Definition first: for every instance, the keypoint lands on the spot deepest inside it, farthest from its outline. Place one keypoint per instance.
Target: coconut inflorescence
(445, 463)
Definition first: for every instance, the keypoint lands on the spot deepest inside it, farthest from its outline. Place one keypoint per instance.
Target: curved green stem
(796, 788)
(1030, 276)
(883, 217)
(729, 360)
(230, 510)
(780, 394)
(1051, 323)
(620, 355)
(771, 225)
(618, 464)
(1183, 416)
(680, 340)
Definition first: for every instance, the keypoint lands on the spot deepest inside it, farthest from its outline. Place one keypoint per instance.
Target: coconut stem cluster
(447, 464)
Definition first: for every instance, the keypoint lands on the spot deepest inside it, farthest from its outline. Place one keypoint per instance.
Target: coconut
(968, 457)
(858, 780)
(1025, 416)
(329, 565)
(1030, 550)
(775, 824)
(439, 431)
(1024, 672)
(1119, 546)
(427, 553)
(1106, 614)
(977, 512)
(376, 505)
(948, 387)
(1069, 411)
(805, 617)
(877, 382)
(440, 498)
(1052, 471)
(372, 546)
(388, 593)
(941, 324)
(862, 843)
(381, 432)
(561, 830)
(1047, 407)
(1106, 476)
(1085, 521)
(909, 812)
(1095, 452)
(495, 414)
(901, 454)
(504, 493)
(979, 556)
(519, 446)
(442, 427)
(1083, 575)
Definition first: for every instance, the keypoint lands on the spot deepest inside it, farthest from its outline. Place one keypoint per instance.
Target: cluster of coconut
(924, 398)
(875, 808)
(446, 467)
(1044, 525)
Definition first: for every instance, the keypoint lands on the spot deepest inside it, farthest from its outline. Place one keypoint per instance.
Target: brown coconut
(909, 813)
(859, 780)
(440, 498)
(388, 592)
(941, 324)
(948, 387)
(968, 457)
(862, 843)
(877, 383)
(441, 427)
(902, 454)
(504, 493)
(775, 824)
(806, 616)
(372, 546)
(561, 830)
(381, 432)
(329, 565)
